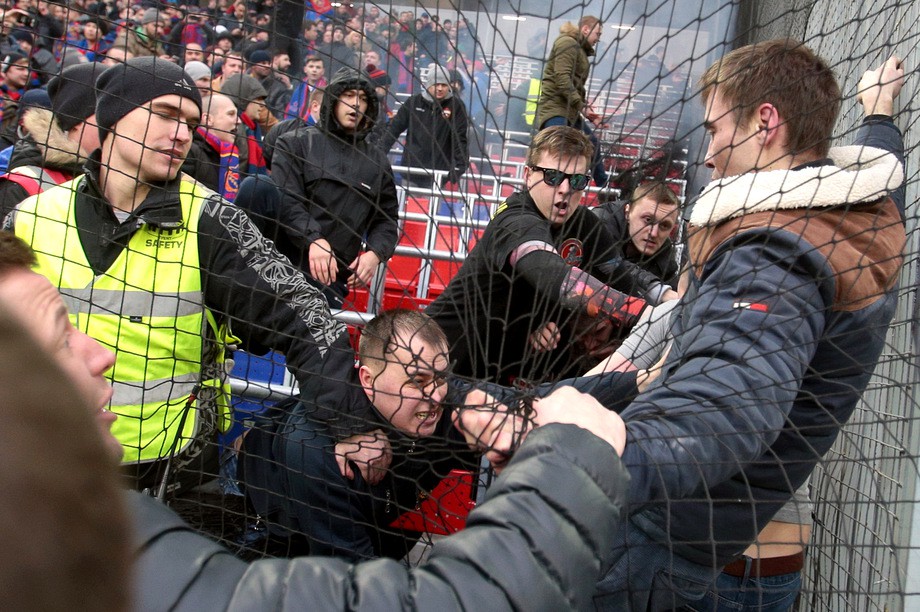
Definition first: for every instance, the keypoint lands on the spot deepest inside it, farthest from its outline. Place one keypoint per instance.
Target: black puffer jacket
(537, 543)
(336, 185)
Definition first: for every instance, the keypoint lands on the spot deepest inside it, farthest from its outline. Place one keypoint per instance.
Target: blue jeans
(751, 594)
(598, 172)
(647, 575)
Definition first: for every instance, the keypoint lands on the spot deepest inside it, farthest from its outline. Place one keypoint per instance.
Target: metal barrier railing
(258, 391)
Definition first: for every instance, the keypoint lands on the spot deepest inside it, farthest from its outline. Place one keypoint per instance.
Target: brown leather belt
(771, 566)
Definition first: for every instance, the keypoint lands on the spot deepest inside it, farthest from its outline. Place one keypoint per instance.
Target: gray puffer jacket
(537, 543)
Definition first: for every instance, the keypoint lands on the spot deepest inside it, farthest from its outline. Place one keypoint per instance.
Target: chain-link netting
(251, 204)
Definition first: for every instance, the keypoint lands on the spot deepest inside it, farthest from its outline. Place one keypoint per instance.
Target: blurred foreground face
(36, 302)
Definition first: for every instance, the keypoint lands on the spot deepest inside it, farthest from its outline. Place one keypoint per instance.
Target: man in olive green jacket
(563, 98)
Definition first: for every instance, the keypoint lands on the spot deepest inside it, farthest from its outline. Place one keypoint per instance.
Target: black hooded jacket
(335, 184)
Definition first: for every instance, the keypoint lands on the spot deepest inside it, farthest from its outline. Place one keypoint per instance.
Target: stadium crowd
(150, 149)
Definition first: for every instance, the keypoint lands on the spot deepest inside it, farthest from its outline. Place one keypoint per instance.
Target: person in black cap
(456, 81)
(16, 70)
(58, 139)
(24, 41)
(260, 64)
(224, 41)
(177, 265)
(381, 82)
(31, 99)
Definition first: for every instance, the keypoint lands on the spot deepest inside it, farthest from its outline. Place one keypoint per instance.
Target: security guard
(155, 266)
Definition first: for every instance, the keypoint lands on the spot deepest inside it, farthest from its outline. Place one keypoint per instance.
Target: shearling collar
(859, 174)
(58, 150)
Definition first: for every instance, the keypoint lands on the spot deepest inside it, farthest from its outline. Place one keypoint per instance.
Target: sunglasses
(554, 178)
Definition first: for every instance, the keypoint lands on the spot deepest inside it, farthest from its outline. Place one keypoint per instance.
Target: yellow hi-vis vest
(533, 96)
(148, 307)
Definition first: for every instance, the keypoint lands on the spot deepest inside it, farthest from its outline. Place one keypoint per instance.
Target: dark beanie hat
(122, 88)
(456, 78)
(100, 23)
(22, 35)
(34, 98)
(260, 56)
(73, 94)
(378, 77)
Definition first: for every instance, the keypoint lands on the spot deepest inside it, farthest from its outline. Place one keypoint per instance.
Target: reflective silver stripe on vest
(160, 391)
(132, 303)
(45, 180)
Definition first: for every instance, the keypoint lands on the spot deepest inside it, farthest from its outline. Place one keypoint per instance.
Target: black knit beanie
(124, 87)
(73, 94)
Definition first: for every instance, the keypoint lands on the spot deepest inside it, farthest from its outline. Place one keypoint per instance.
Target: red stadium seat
(417, 205)
(475, 235)
(392, 299)
(447, 238)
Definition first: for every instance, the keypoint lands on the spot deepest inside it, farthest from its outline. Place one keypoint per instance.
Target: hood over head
(343, 80)
(243, 89)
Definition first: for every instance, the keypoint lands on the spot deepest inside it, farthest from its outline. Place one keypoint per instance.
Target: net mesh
(453, 171)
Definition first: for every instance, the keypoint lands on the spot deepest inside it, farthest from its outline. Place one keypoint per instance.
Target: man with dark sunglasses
(543, 267)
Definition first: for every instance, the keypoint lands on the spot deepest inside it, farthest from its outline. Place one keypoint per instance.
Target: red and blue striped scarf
(257, 163)
(299, 106)
(229, 174)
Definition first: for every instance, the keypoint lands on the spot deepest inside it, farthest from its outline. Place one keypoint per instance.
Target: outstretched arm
(877, 91)
(572, 287)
